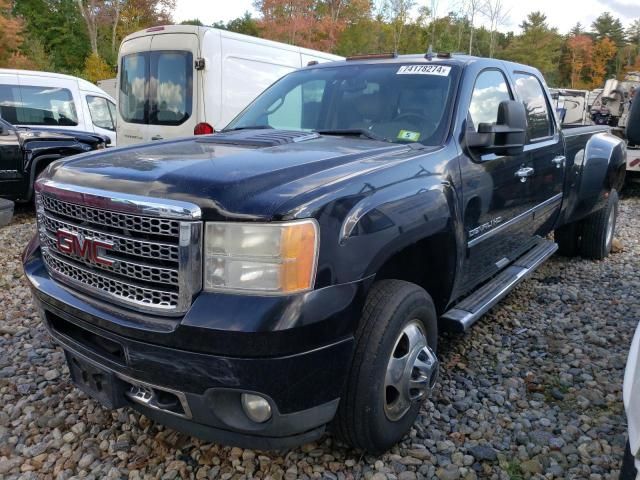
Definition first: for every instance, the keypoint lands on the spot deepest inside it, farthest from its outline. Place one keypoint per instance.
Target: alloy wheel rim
(411, 373)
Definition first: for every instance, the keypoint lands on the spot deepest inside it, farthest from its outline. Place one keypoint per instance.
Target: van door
(248, 68)
(173, 106)
(133, 91)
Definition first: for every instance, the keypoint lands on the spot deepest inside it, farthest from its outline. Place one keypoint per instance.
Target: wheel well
(429, 263)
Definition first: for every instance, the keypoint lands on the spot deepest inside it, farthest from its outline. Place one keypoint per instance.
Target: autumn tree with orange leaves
(603, 51)
(579, 53)
(314, 24)
(11, 38)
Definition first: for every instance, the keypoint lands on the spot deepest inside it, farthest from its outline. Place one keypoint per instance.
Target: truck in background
(612, 106)
(181, 80)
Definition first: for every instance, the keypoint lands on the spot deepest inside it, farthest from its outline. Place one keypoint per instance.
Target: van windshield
(156, 88)
(396, 102)
(28, 105)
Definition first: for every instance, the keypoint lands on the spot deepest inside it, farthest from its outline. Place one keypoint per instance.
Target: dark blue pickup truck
(292, 273)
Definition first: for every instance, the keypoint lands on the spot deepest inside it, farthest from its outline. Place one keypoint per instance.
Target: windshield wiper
(352, 131)
(249, 127)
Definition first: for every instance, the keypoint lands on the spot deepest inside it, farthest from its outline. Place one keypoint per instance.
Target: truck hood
(28, 134)
(231, 179)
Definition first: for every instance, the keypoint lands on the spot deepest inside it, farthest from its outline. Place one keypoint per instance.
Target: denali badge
(74, 243)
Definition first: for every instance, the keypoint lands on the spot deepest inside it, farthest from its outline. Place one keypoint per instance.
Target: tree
(473, 7)
(603, 52)
(245, 24)
(193, 21)
(59, 29)
(90, 10)
(538, 45)
(397, 14)
(633, 33)
(96, 68)
(10, 36)
(576, 30)
(608, 26)
(288, 21)
(497, 15)
(580, 49)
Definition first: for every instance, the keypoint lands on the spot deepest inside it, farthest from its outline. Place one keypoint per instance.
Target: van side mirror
(633, 121)
(505, 137)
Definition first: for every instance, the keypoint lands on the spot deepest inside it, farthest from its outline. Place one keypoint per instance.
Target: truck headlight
(263, 258)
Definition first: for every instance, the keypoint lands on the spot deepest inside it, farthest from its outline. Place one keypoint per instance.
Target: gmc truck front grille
(138, 252)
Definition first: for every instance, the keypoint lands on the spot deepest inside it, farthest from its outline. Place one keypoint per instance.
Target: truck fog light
(256, 407)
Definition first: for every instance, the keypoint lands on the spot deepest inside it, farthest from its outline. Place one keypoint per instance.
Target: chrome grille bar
(146, 262)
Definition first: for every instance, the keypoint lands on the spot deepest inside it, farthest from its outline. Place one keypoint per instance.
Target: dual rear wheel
(591, 237)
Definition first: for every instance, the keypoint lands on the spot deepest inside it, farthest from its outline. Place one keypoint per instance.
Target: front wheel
(394, 367)
(598, 230)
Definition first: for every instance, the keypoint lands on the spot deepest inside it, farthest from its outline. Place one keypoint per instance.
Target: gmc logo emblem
(74, 243)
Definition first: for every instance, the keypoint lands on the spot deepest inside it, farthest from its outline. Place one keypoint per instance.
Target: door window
(530, 92)
(100, 112)
(28, 105)
(134, 88)
(156, 88)
(489, 90)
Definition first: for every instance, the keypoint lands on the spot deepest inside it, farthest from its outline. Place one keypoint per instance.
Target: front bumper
(303, 388)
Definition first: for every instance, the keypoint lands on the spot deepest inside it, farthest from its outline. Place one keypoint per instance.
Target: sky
(560, 13)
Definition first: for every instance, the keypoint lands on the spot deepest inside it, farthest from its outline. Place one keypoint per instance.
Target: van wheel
(598, 229)
(567, 237)
(394, 367)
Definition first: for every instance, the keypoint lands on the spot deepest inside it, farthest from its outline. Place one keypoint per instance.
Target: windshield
(396, 102)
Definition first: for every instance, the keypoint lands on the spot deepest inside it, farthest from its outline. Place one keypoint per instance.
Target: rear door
(133, 91)
(544, 152)
(172, 86)
(496, 202)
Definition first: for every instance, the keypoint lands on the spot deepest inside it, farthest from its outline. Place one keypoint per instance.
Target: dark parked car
(293, 272)
(25, 152)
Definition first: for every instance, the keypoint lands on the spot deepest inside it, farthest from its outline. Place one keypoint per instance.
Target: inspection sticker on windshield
(408, 135)
(442, 70)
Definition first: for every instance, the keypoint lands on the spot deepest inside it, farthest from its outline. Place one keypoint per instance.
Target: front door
(497, 198)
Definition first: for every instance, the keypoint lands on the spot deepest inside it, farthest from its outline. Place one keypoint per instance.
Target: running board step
(465, 313)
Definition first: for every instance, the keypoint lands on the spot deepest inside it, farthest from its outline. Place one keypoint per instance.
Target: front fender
(384, 223)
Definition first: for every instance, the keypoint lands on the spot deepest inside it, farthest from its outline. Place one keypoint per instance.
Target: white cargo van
(182, 80)
(56, 101)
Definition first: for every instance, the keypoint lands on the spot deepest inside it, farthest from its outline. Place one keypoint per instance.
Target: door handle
(524, 173)
(156, 137)
(559, 161)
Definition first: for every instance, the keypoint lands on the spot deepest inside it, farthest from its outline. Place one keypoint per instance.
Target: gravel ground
(533, 391)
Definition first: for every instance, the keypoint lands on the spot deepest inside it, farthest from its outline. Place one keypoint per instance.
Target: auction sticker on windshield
(442, 70)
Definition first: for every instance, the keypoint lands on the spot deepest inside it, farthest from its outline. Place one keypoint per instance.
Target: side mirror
(505, 137)
(633, 121)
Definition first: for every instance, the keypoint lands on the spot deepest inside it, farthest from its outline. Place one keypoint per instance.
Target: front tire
(598, 230)
(394, 367)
